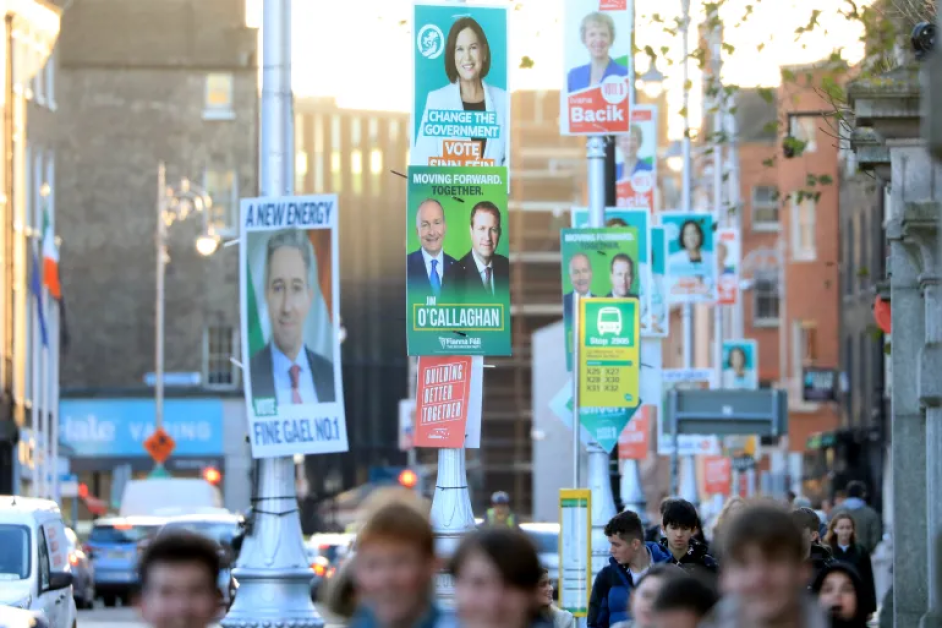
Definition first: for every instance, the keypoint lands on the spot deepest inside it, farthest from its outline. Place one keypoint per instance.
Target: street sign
(68, 485)
(575, 550)
(609, 353)
(726, 412)
(159, 445)
(819, 385)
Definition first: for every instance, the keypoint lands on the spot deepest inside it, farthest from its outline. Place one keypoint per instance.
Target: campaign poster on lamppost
(691, 261)
(640, 220)
(290, 306)
(461, 103)
(636, 160)
(659, 319)
(597, 262)
(688, 444)
(595, 99)
(740, 365)
(457, 262)
(728, 258)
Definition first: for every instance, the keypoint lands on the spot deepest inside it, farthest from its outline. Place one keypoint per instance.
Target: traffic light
(408, 478)
(212, 475)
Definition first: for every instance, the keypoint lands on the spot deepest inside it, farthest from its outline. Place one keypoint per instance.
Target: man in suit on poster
(286, 368)
(580, 276)
(429, 269)
(485, 272)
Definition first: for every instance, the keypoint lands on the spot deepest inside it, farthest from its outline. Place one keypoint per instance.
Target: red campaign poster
(636, 160)
(613, 5)
(441, 406)
(717, 471)
(633, 441)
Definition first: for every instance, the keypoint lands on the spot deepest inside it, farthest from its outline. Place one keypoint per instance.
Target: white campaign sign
(290, 305)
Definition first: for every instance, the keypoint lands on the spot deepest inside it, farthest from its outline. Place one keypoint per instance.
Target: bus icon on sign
(609, 321)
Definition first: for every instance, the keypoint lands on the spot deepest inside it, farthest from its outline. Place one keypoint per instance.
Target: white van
(35, 573)
(164, 497)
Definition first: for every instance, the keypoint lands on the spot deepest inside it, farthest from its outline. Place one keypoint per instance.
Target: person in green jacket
(867, 522)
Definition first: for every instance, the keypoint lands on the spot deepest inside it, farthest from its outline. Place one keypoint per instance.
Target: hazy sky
(360, 50)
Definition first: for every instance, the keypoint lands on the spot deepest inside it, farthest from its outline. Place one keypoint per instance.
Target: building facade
(30, 32)
(145, 84)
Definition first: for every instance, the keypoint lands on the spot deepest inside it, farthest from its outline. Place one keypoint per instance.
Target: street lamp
(652, 81)
(173, 205)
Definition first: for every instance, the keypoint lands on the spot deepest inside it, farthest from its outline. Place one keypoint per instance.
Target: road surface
(124, 617)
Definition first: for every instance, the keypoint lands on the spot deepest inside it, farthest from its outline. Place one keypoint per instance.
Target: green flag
(256, 337)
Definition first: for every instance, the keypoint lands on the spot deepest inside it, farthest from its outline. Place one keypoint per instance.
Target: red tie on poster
(633, 441)
(441, 407)
(718, 472)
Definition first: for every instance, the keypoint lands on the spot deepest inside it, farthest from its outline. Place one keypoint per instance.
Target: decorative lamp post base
(452, 516)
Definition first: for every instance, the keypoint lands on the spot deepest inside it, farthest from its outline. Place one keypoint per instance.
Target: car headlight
(22, 603)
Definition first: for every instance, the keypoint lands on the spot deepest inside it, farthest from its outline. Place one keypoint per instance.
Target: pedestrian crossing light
(212, 475)
(408, 478)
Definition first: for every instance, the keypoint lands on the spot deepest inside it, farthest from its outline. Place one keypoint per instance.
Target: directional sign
(727, 412)
(609, 353)
(159, 445)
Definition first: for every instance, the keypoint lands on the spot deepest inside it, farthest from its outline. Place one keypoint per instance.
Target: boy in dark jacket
(681, 523)
(630, 559)
(817, 556)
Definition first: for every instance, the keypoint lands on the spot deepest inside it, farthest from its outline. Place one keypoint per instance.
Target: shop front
(105, 437)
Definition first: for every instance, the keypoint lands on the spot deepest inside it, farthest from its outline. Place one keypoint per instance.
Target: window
(222, 185)
(218, 369)
(804, 213)
(15, 541)
(217, 103)
(376, 169)
(356, 170)
(805, 129)
(51, 80)
(850, 270)
(765, 202)
(864, 265)
(318, 154)
(39, 79)
(765, 305)
(804, 348)
(336, 172)
(43, 561)
(300, 155)
(848, 373)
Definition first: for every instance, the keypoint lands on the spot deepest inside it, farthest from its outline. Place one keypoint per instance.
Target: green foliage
(526, 63)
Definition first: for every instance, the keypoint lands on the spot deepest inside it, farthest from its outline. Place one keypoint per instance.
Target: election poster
(461, 102)
(597, 262)
(728, 255)
(659, 319)
(740, 364)
(717, 475)
(442, 397)
(640, 220)
(691, 262)
(609, 353)
(636, 160)
(633, 442)
(406, 424)
(457, 262)
(688, 444)
(575, 550)
(595, 99)
(290, 305)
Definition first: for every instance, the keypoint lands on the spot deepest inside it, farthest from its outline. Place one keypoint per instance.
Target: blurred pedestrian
(500, 514)
(764, 576)
(339, 594)
(683, 603)
(179, 572)
(841, 594)
(560, 618)
(733, 505)
(867, 521)
(645, 592)
(393, 570)
(654, 533)
(630, 559)
(842, 540)
(681, 523)
(817, 556)
(497, 579)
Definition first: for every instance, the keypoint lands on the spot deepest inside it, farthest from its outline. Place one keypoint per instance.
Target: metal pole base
(603, 504)
(688, 481)
(631, 493)
(273, 574)
(452, 516)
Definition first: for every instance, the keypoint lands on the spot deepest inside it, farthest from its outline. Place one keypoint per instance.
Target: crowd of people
(767, 565)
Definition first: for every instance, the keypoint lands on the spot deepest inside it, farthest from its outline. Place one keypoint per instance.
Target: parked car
(159, 496)
(34, 560)
(83, 573)
(12, 617)
(546, 538)
(114, 546)
(224, 530)
(325, 551)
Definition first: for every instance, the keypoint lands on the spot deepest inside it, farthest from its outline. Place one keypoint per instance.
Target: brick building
(144, 83)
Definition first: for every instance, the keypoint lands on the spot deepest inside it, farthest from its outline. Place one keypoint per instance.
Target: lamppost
(173, 205)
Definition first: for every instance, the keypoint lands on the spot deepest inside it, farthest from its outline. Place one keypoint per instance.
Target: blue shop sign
(119, 427)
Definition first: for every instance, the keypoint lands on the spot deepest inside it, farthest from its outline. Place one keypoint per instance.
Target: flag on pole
(36, 287)
(50, 258)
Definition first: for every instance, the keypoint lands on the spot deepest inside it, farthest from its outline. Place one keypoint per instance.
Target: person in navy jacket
(430, 270)
(630, 559)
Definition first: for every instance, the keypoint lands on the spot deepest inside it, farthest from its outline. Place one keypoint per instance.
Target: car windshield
(14, 552)
(120, 534)
(219, 531)
(546, 542)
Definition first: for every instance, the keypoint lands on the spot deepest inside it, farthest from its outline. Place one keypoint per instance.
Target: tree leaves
(767, 94)
(526, 63)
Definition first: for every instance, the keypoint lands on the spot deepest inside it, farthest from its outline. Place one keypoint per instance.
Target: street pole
(452, 516)
(716, 62)
(161, 296)
(735, 202)
(274, 579)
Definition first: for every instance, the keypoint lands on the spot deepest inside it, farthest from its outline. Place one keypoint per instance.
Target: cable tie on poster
(229, 243)
(490, 366)
(460, 333)
(399, 174)
(236, 362)
(451, 488)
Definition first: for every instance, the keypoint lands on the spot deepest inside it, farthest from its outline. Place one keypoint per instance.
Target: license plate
(117, 554)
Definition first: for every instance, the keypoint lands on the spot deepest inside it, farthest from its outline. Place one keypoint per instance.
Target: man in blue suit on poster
(430, 270)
